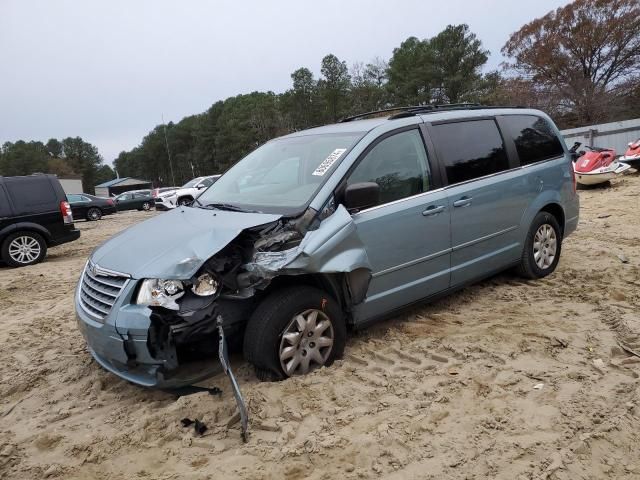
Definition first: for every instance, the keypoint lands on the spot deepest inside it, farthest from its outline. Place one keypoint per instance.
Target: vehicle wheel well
(45, 235)
(557, 211)
(330, 283)
(185, 196)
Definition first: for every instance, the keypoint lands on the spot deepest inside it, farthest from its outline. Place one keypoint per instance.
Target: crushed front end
(158, 325)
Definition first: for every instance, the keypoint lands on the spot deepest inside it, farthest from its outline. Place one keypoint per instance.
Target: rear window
(470, 149)
(31, 194)
(534, 138)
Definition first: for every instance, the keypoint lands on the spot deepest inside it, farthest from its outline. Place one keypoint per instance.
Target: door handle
(463, 202)
(433, 210)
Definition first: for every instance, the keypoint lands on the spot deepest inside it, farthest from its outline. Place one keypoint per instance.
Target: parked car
(325, 229)
(134, 200)
(90, 207)
(34, 215)
(185, 194)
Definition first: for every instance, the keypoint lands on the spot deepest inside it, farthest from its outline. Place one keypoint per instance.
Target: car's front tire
(23, 248)
(184, 201)
(294, 331)
(542, 247)
(94, 214)
(146, 206)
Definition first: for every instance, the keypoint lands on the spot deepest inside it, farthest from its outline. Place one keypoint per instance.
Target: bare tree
(583, 53)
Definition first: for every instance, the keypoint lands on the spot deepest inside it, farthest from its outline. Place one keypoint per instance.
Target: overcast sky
(108, 70)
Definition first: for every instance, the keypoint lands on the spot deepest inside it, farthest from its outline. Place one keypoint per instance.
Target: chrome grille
(99, 289)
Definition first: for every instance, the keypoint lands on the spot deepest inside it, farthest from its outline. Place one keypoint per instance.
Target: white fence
(615, 135)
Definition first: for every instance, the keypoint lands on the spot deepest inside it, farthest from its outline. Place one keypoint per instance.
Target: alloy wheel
(94, 214)
(24, 249)
(545, 246)
(306, 342)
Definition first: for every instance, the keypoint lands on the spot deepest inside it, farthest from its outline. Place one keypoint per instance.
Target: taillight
(154, 193)
(65, 210)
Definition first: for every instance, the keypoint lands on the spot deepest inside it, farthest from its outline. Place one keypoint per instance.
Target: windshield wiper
(229, 207)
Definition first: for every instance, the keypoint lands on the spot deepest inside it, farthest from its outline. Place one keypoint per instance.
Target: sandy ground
(506, 379)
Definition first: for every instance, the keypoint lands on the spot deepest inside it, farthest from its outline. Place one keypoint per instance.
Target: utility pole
(166, 142)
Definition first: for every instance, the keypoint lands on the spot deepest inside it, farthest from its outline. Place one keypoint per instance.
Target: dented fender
(334, 247)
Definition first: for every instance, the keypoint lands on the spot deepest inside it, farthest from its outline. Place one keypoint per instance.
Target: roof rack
(411, 111)
(372, 113)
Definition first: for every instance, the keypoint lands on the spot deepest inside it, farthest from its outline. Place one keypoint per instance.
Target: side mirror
(359, 196)
(200, 186)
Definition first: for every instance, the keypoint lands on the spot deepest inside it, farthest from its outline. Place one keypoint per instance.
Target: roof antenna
(166, 142)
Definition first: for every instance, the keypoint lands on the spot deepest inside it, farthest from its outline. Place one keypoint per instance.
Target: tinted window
(73, 198)
(470, 149)
(32, 194)
(4, 204)
(398, 164)
(534, 138)
(207, 182)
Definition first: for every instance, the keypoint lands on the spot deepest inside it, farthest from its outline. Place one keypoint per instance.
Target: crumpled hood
(174, 244)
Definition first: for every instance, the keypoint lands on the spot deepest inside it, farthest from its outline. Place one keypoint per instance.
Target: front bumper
(119, 344)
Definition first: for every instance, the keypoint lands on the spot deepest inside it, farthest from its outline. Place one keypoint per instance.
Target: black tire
(146, 206)
(184, 201)
(94, 214)
(528, 267)
(29, 237)
(267, 325)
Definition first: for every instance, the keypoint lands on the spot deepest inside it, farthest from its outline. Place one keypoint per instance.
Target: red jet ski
(632, 155)
(597, 165)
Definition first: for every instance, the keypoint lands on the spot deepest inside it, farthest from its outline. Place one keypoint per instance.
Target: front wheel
(183, 202)
(94, 214)
(146, 206)
(294, 331)
(542, 247)
(23, 248)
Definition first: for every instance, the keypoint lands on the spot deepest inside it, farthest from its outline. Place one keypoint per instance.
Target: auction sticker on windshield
(327, 162)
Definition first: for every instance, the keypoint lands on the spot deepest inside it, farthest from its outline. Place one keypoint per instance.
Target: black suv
(34, 215)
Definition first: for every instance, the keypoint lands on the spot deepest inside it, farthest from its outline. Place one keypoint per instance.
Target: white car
(185, 194)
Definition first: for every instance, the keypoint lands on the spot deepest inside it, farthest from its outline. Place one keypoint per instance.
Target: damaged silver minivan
(324, 230)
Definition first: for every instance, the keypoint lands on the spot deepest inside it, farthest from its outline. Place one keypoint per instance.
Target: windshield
(281, 176)
(192, 183)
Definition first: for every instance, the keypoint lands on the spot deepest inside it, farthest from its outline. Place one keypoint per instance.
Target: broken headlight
(205, 285)
(160, 293)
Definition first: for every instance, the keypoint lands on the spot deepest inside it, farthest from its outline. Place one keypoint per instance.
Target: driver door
(407, 234)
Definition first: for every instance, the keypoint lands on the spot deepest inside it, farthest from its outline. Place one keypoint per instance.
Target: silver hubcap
(545, 246)
(94, 214)
(145, 206)
(306, 342)
(24, 249)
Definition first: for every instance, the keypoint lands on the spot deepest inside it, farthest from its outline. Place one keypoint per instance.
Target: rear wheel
(146, 206)
(23, 248)
(542, 247)
(294, 331)
(94, 214)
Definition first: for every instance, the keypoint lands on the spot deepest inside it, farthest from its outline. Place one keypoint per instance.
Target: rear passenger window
(31, 195)
(398, 164)
(470, 149)
(534, 138)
